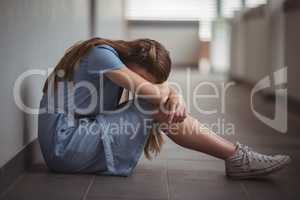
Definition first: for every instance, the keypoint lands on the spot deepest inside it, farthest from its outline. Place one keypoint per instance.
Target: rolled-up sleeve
(103, 58)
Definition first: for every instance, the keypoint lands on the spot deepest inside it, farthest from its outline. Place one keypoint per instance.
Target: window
(199, 10)
(255, 3)
(205, 30)
(230, 6)
(170, 10)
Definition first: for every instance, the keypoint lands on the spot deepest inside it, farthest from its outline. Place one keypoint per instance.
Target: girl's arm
(156, 94)
(172, 106)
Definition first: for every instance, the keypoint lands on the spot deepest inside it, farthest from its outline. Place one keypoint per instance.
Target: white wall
(109, 21)
(292, 53)
(33, 34)
(261, 46)
(180, 38)
(257, 48)
(238, 48)
(257, 43)
(277, 34)
(220, 46)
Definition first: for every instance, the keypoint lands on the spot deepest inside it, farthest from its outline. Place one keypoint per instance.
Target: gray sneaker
(245, 163)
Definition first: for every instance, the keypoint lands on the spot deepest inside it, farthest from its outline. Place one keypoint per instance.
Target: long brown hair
(147, 53)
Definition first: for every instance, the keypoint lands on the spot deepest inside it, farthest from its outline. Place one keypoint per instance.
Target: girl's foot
(246, 164)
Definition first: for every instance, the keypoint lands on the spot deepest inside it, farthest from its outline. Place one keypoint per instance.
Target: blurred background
(240, 40)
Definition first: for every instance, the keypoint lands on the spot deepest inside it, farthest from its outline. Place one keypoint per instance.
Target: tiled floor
(183, 174)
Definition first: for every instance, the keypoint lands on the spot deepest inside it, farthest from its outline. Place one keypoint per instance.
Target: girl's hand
(173, 110)
(176, 108)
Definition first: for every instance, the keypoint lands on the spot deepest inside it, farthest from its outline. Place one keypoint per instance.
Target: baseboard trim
(17, 166)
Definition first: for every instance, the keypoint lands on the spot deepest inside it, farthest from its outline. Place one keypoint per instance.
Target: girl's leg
(240, 161)
(191, 135)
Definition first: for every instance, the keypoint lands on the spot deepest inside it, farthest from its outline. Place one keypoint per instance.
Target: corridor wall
(250, 45)
(292, 49)
(263, 44)
(33, 35)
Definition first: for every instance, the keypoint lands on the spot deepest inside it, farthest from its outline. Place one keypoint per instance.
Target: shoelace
(249, 155)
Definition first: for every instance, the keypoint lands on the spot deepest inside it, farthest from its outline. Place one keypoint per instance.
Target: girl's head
(149, 58)
(146, 57)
